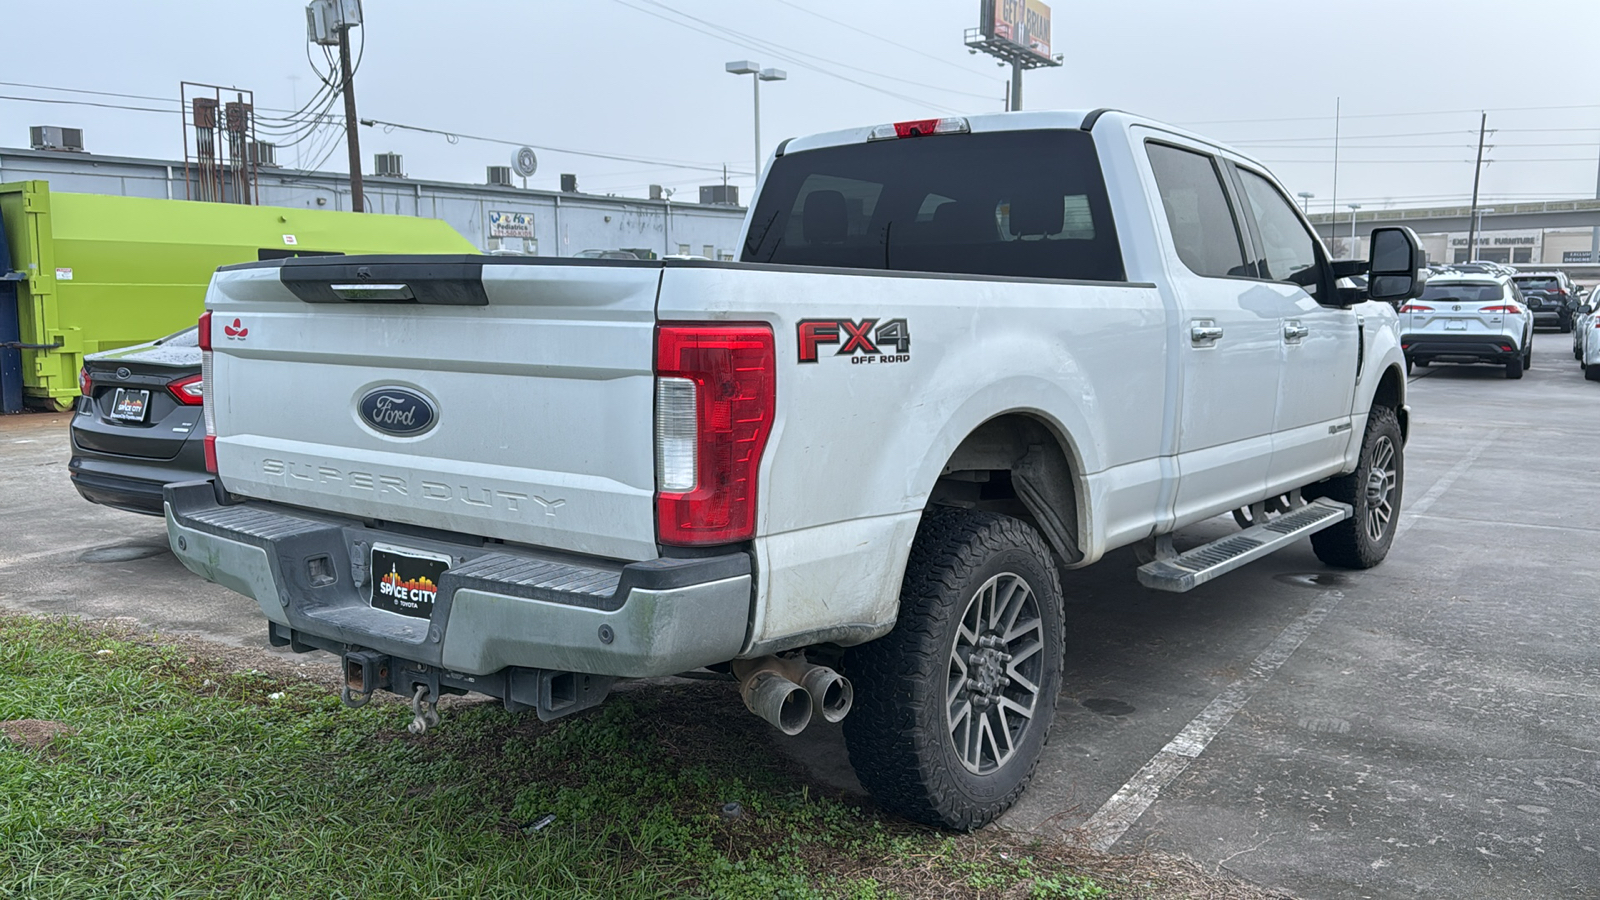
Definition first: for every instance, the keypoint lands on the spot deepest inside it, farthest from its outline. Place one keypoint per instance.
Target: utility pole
(328, 23)
(1477, 174)
(1016, 86)
(1594, 240)
(1333, 220)
(352, 137)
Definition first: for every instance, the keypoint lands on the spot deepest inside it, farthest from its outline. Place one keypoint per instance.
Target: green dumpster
(105, 272)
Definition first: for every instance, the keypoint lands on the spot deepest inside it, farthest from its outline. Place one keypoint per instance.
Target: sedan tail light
(84, 383)
(715, 403)
(189, 391)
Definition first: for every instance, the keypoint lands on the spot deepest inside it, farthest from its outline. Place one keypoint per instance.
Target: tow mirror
(1395, 266)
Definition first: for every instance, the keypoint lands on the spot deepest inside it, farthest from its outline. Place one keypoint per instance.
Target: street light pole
(1353, 208)
(746, 67)
(1305, 201)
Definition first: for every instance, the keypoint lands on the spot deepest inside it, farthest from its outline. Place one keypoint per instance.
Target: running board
(1192, 568)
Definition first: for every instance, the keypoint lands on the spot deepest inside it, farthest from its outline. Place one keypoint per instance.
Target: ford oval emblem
(397, 411)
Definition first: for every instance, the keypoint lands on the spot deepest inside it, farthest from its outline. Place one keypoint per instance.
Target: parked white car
(1468, 318)
(1586, 338)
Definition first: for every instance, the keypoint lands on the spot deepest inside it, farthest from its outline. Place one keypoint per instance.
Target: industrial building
(495, 217)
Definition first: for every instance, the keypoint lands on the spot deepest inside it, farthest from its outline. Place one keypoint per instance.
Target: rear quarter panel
(857, 445)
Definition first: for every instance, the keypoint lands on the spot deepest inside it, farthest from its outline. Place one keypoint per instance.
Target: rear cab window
(1011, 203)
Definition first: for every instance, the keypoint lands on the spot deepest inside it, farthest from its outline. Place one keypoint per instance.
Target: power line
(454, 136)
(879, 37)
(1439, 112)
(787, 57)
(833, 62)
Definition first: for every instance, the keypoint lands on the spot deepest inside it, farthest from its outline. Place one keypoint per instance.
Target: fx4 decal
(867, 337)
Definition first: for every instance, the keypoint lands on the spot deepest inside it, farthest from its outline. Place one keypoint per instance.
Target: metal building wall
(563, 224)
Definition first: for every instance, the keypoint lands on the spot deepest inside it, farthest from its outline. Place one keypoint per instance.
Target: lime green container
(106, 272)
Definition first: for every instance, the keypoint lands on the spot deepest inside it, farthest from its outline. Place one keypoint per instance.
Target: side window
(1289, 249)
(1202, 222)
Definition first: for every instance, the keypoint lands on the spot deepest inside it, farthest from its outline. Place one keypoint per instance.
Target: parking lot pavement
(60, 554)
(1427, 728)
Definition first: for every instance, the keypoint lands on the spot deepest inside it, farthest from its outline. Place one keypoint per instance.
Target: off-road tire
(899, 733)
(1349, 544)
(1514, 368)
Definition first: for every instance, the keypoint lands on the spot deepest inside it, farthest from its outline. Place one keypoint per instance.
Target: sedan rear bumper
(130, 483)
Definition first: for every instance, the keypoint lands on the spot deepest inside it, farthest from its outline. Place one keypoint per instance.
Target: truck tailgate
(521, 410)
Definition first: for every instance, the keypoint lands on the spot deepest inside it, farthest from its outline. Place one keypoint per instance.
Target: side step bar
(1192, 568)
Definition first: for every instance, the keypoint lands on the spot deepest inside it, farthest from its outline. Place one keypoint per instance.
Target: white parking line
(1113, 819)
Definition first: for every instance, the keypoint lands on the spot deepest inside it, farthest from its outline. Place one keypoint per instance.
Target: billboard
(1023, 23)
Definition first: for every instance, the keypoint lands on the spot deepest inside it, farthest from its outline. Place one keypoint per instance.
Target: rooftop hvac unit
(720, 194)
(263, 154)
(655, 192)
(569, 184)
(500, 175)
(388, 164)
(54, 137)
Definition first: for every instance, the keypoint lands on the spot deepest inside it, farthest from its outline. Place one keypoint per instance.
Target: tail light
(189, 391)
(84, 384)
(207, 393)
(1415, 307)
(1505, 310)
(715, 402)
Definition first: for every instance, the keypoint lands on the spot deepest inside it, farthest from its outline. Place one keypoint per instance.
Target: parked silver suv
(1468, 318)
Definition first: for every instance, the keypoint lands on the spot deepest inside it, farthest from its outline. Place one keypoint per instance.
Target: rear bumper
(1460, 348)
(499, 611)
(130, 483)
(1550, 318)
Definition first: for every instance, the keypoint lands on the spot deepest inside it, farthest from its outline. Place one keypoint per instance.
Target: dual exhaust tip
(788, 692)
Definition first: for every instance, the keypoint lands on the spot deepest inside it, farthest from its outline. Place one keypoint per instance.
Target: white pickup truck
(956, 359)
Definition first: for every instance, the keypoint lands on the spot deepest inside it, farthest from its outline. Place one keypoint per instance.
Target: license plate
(406, 581)
(1455, 325)
(130, 405)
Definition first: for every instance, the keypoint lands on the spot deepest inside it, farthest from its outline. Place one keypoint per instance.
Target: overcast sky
(642, 79)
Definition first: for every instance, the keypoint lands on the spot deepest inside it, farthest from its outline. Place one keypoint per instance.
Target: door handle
(1204, 332)
(1294, 331)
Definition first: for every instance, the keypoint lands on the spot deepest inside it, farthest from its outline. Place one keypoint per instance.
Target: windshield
(1463, 293)
(1024, 203)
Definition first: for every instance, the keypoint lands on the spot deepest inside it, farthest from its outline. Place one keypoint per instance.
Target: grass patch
(170, 772)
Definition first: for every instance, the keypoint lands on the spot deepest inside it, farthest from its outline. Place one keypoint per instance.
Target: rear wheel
(1592, 373)
(1373, 490)
(1527, 356)
(1514, 367)
(953, 705)
(1566, 326)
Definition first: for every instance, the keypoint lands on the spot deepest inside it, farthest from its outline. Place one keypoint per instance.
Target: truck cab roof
(1025, 120)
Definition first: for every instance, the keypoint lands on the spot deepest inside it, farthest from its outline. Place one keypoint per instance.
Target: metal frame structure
(220, 169)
